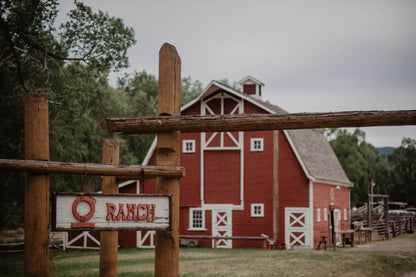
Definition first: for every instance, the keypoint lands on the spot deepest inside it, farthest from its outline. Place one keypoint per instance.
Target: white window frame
(345, 214)
(325, 214)
(185, 148)
(318, 215)
(191, 220)
(253, 209)
(253, 146)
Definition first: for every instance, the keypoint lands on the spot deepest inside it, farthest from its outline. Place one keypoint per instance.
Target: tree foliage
(365, 167)
(32, 48)
(403, 171)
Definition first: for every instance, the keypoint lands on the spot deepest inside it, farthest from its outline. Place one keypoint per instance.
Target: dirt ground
(406, 243)
(403, 243)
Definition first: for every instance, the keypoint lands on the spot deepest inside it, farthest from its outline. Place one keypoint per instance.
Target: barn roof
(312, 149)
(314, 152)
(318, 157)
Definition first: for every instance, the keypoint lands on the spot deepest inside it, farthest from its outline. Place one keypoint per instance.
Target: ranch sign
(79, 211)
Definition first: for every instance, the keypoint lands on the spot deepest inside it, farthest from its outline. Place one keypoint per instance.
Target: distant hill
(385, 150)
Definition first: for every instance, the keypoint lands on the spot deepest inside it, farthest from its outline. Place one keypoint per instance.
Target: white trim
(318, 215)
(210, 139)
(334, 183)
(253, 144)
(253, 207)
(191, 220)
(325, 214)
(232, 138)
(126, 183)
(185, 146)
(140, 240)
(252, 79)
(84, 235)
(305, 227)
(311, 223)
(230, 90)
(150, 152)
(345, 214)
(241, 139)
(295, 150)
(226, 228)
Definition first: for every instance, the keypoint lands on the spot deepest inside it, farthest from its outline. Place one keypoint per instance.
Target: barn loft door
(222, 105)
(297, 228)
(222, 227)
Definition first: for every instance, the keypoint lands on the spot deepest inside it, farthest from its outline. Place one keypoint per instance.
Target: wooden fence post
(168, 154)
(109, 239)
(36, 187)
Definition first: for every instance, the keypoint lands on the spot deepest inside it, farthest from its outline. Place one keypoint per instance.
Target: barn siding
(322, 200)
(190, 188)
(258, 189)
(293, 183)
(222, 183)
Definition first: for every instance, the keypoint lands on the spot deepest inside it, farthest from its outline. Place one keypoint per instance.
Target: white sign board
(78, 211)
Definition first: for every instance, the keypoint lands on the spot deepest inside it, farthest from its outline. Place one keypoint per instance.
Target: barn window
(257, 210)
(345, 214)
(196, 219)
(318, 215)
(325, 214)
(188, 146)
(256, 144)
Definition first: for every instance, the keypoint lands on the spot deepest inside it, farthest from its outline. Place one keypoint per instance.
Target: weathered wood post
(109, 239)
(386, 211)
(168, 154)
(36, 187)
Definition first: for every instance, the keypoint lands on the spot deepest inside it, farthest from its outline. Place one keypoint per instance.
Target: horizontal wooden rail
(120, 171)
(257, 122)
(218, 237)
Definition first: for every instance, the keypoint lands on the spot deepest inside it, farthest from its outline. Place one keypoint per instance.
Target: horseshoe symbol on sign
(86, 217)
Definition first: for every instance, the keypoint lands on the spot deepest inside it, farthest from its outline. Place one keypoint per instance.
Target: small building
(287, 185)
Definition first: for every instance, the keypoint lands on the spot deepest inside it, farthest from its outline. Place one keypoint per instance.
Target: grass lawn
(230, 262)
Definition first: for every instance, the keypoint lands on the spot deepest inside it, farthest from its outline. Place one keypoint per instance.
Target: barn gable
(310, 146)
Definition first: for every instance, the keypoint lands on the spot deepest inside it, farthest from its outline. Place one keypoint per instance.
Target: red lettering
(121, 215)
(111, 208)
(130, 210)
(151, 212)
(90, 202)
(141, 207)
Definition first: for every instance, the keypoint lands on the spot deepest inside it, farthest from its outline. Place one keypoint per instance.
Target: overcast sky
(312, 56)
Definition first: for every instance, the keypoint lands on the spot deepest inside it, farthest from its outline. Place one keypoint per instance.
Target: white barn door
(297, 233)
(222, 222)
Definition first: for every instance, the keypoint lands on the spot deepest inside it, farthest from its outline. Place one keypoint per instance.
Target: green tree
(361, 162)
(403, 172)
(189, 90)
(32, 59)
(33, 48)
(142, 91)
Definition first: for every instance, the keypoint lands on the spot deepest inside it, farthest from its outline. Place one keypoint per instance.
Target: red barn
(284, 184)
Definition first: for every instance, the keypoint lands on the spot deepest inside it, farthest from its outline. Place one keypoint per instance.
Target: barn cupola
(251, 86)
